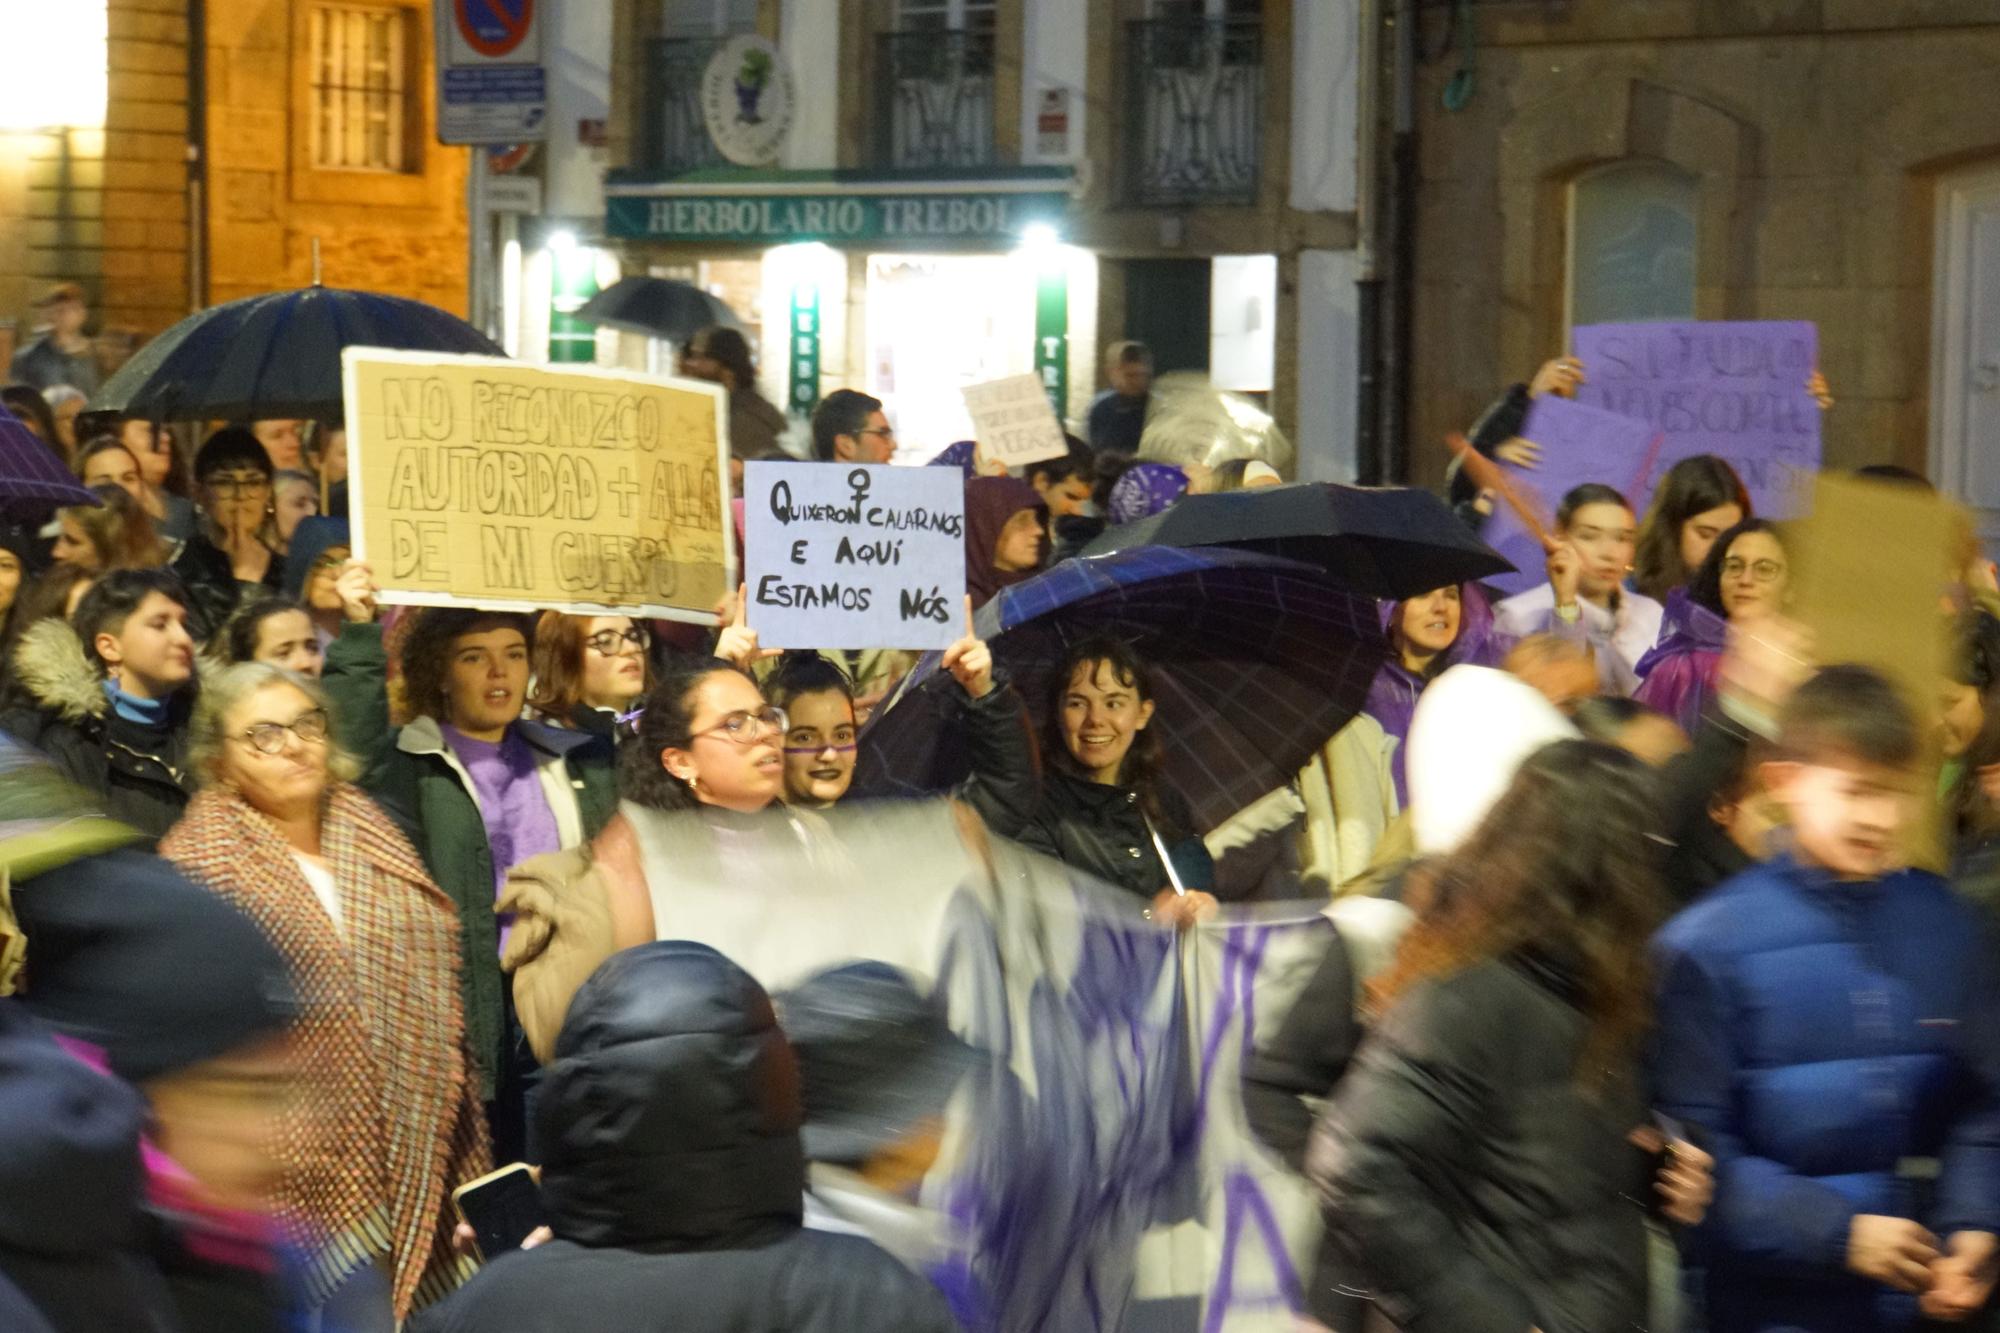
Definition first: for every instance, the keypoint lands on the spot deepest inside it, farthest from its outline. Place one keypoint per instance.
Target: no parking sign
(492, 88)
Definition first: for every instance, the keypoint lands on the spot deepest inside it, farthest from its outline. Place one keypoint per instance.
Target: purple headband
(1144, 490)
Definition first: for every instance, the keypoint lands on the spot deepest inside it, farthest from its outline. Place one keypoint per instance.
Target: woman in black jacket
(1478, 1163)
(1104, 808)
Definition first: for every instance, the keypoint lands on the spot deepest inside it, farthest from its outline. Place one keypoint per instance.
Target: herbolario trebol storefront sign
(944, 215)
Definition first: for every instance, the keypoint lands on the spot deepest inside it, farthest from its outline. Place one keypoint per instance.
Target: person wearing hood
(1006, 538)
(1428, 635)
(475, 786)
(1745, 577)
(108, 700)
(320, 547)
(673, 1177)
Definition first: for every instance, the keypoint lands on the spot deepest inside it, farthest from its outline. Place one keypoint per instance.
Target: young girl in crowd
(589, 671)
(820, 729)
(1104, 807)
(112, 534)
(1427, 636)
(1584, 596)
(294, 498)
(1476, 1160)
(1698, 500)
(277, 633)
(1745, 577)
(109, 700)
(1006, 538)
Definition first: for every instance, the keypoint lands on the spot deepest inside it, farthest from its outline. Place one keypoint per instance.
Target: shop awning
(983, 211)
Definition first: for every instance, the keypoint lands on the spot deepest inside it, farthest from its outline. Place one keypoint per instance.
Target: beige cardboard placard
(1870, 566)
(485, 482)
(1013, 421)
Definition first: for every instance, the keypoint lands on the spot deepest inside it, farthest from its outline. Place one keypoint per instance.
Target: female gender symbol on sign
(494, 28)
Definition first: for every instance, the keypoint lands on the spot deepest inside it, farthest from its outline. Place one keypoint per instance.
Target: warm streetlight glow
(57, 80)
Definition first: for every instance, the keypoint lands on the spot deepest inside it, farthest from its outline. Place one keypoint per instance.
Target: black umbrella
(659, 307)
(1389, 542)
(276, 355)
(1256, 660)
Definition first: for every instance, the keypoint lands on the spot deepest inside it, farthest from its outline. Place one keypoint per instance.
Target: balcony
(934, 100)
(674, 136)
(1194, 112)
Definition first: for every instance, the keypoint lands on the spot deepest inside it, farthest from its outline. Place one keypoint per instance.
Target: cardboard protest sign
(484, 482)
(1013, 422)
(842, 556)
(1736, 390)
(1867, 571)
(1579, 444)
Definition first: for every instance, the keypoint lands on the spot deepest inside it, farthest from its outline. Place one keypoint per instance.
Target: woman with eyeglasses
(1745, 577)
(479, 787)
(589, 671)
(234, 556)
(388, 1119)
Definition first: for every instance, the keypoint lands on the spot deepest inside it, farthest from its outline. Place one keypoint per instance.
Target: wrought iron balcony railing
(674, 138)
(934, 99)
(1194, 111)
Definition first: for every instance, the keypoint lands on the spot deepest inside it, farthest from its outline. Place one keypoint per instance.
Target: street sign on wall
(492, 86)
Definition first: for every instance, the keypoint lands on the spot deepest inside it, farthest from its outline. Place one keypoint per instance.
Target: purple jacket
(1677, 675)
(1392, 697)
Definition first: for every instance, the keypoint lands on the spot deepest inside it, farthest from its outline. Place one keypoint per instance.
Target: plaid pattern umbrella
(276, 355)
(1256, 662)
(32, 476)
(1390, 542)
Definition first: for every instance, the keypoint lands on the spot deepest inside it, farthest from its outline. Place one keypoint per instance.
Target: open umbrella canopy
(276, 355)
(33, 480)
(659, 307)
(1256, 662)
(1388, 542)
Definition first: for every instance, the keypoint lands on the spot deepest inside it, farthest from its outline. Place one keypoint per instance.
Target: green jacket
(419, 781)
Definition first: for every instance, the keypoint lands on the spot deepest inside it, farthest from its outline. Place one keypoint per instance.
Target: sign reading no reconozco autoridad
(932, 218)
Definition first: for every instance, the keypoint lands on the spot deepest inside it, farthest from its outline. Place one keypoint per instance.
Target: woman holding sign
(1592, 550)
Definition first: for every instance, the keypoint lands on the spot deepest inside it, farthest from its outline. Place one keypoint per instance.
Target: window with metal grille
(360, 88)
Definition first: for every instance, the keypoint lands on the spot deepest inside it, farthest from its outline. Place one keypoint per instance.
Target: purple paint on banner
(1736, 390)
(1579, 444)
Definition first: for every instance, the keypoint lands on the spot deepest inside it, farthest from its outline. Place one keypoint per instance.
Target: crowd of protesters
(329, 908)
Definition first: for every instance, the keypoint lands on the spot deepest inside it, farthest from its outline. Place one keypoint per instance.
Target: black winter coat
(1469, 1181)
(1101, 831)
(673, 1177)
(138, 773)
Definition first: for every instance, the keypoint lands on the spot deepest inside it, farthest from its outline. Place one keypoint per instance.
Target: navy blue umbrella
(1256, 660)
(276, 355)
(658, 307)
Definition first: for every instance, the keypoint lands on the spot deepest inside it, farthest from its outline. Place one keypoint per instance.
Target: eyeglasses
(886, 432)
(1760, 571)
(746, 728)
(332, 558)
(269, 737)
(609, 642)
(229, 488)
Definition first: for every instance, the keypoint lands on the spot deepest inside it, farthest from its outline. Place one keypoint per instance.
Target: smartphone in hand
(501, 1208)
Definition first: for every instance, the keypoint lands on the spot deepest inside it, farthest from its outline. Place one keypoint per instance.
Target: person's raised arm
(1005, 785)
(356, 676)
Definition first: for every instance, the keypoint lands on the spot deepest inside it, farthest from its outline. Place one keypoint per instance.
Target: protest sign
(1579, 444)
(1013, 422)
(842, 556)
(1736, 390)
(485, 482)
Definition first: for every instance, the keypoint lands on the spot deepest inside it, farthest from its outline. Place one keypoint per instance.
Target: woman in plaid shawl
(388, 1119)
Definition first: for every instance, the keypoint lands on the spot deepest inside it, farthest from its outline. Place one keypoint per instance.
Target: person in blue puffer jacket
(1828, 1020)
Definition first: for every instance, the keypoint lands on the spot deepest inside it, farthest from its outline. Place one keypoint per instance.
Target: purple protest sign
(1736, 390)
(1579, 444)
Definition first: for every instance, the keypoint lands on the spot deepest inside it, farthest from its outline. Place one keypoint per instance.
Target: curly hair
(426, 655)
(667, 724)
(1566, 864)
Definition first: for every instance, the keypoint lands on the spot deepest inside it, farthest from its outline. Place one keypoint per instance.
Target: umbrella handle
(1160, 846)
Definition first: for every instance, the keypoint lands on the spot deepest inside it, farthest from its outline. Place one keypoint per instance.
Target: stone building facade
(1823, 149)
(109, 204)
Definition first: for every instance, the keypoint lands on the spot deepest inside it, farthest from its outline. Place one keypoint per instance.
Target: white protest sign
(1013, 422)
(840, 556)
